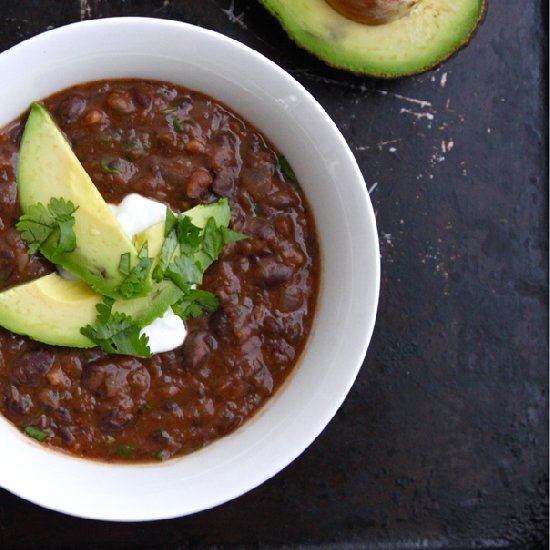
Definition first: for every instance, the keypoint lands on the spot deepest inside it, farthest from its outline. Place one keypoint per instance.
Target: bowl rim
(280, 462)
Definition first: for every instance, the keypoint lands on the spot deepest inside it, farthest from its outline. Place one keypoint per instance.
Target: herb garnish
(186, 253)
(169, 110)
(37, 433)
(39, 224)
(109, 167)
(137, 277)
(176, 123)
(125, 451)
(117, 332)
(162, 455)
(284, 166)
(195, 303)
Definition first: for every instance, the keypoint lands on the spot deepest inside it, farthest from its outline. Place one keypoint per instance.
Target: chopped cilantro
(212, 240)
(170, 222)
(176, 123)
(124, 265)
(230, 236)
(136, 278)
(284, 167)
(37, 433)
(109, 167)
(184, 271)
(117, 332)
(125, 451)
(162, 455)
(189, 235)
(41, 223)
(169, 110)
(195, 303)
(186, 253)
(168, 246)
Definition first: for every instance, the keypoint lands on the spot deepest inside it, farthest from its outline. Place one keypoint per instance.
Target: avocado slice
(425, 36)
(199, 214)
(53, 310)
(48, 168)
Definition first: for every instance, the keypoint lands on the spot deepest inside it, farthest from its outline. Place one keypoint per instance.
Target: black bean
(116, 420)
(196, 348)
(272, 326)
(271, 273)
(224, 182)
(109, 379)
(49, 397)
(220, 324)
(63, 416)
(258, 181)
(262, 229)
(121, 102)
(143, 99)
(32, 366)
(67, 435)
(198, 183)
(71, 108)
(18, 403)
(7, 263)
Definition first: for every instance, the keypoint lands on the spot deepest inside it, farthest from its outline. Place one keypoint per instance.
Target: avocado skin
(48, 168)
(318, 46)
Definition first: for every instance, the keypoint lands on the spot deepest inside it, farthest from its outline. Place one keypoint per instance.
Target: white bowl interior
(285, 112)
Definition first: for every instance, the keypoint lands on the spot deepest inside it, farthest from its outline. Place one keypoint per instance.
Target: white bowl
(284, 111)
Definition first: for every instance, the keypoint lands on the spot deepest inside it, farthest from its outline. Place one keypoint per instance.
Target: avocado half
(424, 37)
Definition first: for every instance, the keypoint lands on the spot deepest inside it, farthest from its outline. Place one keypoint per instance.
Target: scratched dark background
(443, 440)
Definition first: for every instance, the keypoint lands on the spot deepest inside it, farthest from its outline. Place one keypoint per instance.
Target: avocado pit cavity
(373, 12)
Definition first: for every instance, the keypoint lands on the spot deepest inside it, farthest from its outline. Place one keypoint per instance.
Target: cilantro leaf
(36, 226)
(162, 455)
(125, 451)
(186, 253)
(184, 271)
(37, 433)
(168, 246)
(189, 235)
(124, 265)
(110, 167)
(212, 240)
(117, 332)
(284, 167)
(177, 125)
(195, 303)
(230, 236)
(40, 223)
(170, 222)
(136, 278)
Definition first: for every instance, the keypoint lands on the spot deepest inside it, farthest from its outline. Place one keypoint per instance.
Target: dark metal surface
(443, 440)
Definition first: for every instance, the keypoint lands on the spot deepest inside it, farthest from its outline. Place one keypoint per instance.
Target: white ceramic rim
(292, 419)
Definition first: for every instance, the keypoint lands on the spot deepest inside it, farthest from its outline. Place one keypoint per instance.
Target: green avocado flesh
(424, 37)
(199, 215)
(48, 168)
(53, 310)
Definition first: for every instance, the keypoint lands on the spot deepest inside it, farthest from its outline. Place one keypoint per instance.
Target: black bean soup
(181, 148)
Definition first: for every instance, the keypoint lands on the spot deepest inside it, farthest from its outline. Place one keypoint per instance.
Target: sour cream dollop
(135, 214)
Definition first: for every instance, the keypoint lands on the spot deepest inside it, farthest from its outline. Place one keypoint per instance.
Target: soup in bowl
(185, 118)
